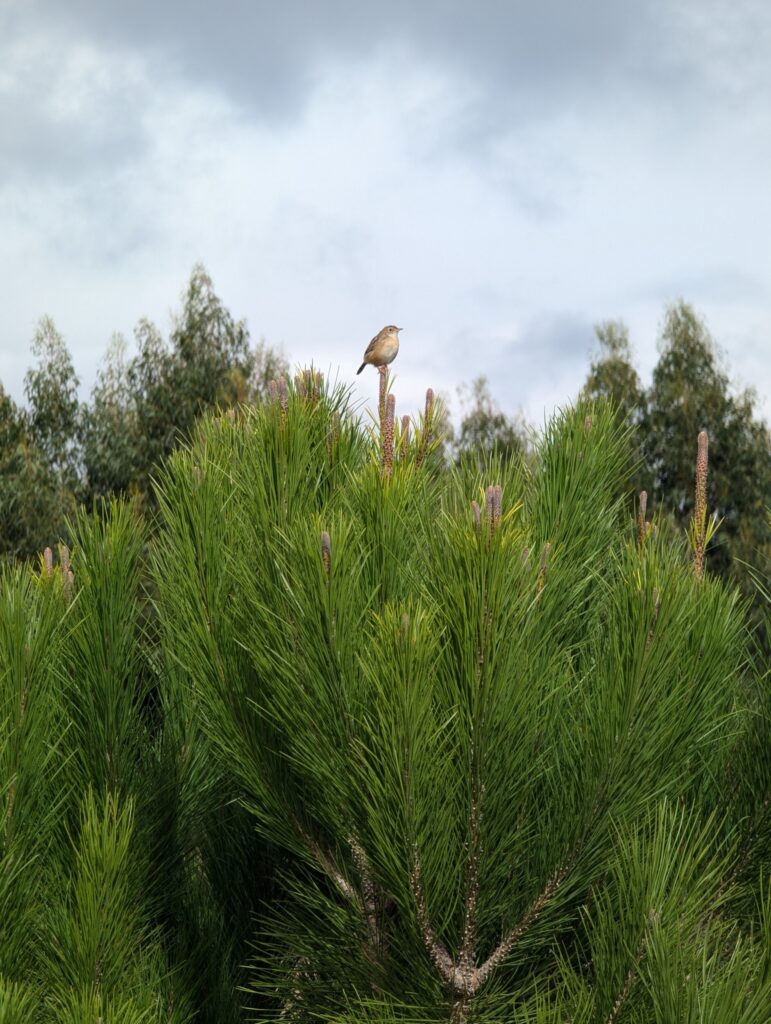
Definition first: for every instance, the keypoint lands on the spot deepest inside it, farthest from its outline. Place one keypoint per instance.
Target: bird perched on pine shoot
(382, 349)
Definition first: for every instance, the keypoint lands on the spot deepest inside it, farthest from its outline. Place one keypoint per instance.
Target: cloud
(495, 176)
(267, 54)
(520, 62)
(67, 111)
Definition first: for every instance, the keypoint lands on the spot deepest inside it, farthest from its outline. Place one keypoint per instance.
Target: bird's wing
(372, 344)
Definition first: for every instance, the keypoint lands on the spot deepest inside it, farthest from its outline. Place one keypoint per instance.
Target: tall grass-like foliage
(492, 735)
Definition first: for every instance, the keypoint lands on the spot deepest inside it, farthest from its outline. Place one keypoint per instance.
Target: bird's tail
(361, 368)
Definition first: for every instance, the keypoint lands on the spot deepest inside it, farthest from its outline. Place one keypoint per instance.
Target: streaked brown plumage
(383, 348)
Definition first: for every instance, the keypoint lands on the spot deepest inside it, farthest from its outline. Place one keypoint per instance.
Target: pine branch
(631, 973)
(439, 955)
(466, 957)
(462, 978)
(743, 855)
(642, 525)
(623, 995)
(542, 568)
(654, 620)
(388, 436)
(381, 405)
(369, 891)
(699, 522)
(366, 901)
(328, 866)
(425, 437)
(533, 913)
(14, 775)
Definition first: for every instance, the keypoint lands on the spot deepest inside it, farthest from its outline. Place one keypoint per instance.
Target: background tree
(268, 364)
(39, 454)
(152, 415)
(109, 426)
(51, 389)
(211, 362)
(690, 392)
(612, 375)
(141, 408)
(30, 509)
(485, 428)
(58, 452)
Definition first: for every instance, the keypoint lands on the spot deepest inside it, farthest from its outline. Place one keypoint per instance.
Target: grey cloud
(48, 132)
(36, 144)
(550, 344)
(525, 56)
(520, 63)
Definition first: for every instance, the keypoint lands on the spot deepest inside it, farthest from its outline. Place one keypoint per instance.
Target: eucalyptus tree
(484, 427)
(146, 403)
(40, 461)
(27, 494)
(691, 391)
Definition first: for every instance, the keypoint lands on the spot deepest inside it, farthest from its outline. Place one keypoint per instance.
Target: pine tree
(88, 868)
(497, 736)
(355, 737)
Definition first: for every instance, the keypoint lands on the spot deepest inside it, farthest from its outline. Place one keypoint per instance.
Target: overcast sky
(494, 177)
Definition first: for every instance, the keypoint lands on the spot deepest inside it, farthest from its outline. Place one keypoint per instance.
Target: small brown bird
(383, 348)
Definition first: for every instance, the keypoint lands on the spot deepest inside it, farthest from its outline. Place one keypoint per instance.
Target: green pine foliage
(33, 783)
(352, 736)
(488, 739)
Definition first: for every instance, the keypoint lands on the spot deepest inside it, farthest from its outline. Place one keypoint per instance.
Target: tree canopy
(690, 392)
(59, 451)
(485, 428)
